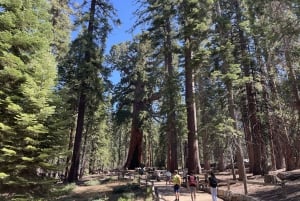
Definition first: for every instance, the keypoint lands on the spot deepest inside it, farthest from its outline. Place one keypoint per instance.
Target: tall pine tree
(27, 72)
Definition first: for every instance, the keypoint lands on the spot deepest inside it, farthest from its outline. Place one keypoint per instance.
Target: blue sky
(125, 9)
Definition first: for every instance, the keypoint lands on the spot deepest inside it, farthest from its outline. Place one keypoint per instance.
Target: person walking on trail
(177, 182)
(168, 177)
(192, 185)
(213, 183)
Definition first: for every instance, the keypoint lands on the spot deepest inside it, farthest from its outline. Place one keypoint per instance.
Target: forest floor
(116, 190)
(257, 188)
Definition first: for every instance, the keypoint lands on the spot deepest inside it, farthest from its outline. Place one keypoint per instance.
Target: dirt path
(167, 193)
(256, 188)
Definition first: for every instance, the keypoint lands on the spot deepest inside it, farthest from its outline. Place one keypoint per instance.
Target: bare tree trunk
(267, 115)
(276, 133)
(134, 157)
(248, 136)
(70, 147)
(172, 143)
(237, 141)
(83, 155)
(291, 162)
(73, 173)
(221, 166)
(206, 152)
(193, 158)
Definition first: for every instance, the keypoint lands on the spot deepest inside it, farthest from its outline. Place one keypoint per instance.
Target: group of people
(192, 184)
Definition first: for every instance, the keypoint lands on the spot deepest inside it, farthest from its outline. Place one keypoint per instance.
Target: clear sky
(125, 9)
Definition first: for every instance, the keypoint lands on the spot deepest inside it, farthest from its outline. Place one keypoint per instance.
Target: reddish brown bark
(74, 169)
(134, 157)
(70, 147)
(73, 173)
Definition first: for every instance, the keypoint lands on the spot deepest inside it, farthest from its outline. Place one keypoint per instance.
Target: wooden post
(228, 184)
(139, 180)
(283, 187)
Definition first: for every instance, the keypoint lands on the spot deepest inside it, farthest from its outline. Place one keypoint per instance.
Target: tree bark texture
(74, 169)
(172, 143)
(193, 157)
(70, 147)
(134, 157)
(73, 173)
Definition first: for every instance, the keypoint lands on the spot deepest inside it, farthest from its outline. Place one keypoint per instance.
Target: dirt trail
(167, 194)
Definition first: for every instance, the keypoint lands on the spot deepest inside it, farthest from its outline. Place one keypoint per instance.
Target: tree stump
(271, 179)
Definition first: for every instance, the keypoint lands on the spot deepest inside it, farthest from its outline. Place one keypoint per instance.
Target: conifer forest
(202, 83)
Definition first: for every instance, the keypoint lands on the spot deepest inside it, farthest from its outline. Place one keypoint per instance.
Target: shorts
(176, 188)
(192, 188)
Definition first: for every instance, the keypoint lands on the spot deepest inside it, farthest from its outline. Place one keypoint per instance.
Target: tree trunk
(292, 77)
(193, 158)
(237, 141)
(247, 131)
(276, 134)
(206, 152)
(134, 157)
(83, 153)
(291, 162)
(172, 143)
(221, 166)
(92, 158)
(70, 147)
(73, 173)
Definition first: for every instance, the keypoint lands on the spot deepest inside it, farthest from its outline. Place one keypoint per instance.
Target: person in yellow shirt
(177, 183)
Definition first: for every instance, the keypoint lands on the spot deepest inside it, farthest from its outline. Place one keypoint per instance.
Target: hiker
(168, 177)
(192, 185)
(213, 183)
(177, 182)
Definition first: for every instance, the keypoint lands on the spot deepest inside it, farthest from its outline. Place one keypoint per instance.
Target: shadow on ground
(106, 192)
(287, 193)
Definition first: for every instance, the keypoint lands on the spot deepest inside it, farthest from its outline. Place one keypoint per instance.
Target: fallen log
(289, 175)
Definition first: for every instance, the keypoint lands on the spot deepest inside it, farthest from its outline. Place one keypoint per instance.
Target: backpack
(213, 182)
(192, 180)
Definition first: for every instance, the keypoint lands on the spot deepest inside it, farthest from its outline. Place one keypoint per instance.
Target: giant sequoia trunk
(135, 149)
(134, 158)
